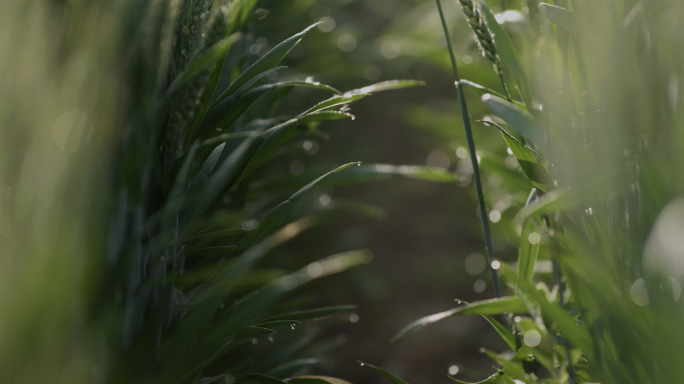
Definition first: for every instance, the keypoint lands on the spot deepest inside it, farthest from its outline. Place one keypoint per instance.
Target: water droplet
(482, 350)
(495, 216)
(310, 147)
(517, 319)
(390, 49)
(676, 288)
(358, 164)
(324, 200)
(461, 153)
(353, 117)
(353, 318)
(438, 160)
(346, 43)
(363, 364)
(255, 341)
(496, 265)
(589, 211)
(475, 264)
(327, 24)
(453, 369)
(534, 238)
(480, 286)
(638, 292)
(532, 338)
(314, 269)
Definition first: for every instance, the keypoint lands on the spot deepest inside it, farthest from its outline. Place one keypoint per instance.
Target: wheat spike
(483, 37)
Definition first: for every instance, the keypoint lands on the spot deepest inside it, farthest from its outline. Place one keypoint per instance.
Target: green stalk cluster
(192, 28)
(185, 103)
(484, 38)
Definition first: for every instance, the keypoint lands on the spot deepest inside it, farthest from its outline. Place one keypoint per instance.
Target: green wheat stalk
(484, 38)
(184, 105)
(473, 156)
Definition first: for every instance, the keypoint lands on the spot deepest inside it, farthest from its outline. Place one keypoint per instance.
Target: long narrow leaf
(269, 61)
(384, 373)
(506, 304)
(523, 123)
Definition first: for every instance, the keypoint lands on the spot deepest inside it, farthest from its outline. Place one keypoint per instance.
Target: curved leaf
(531, 162)
(505, 334)
(506, 304)
(269, 61)
(481, 90)
(319, 116)
(562, 17)
(312, 314)
(253, 378)
(552, 201)
(575, 333)
(316, 380)
(519, 119)
(384, 373)
(527, 252)
(491, 379)
(208, 57)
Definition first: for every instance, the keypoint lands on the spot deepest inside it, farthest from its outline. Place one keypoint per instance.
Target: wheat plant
(593, 295)
(137, 235)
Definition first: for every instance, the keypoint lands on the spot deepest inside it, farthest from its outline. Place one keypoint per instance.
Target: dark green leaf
(316, 380)
(360, 93)
(507, 304)
(505, 334)
(319, 116)
(207, 168)
(527, 252)
(362, 174)
(253, 378)
(279, 324)
(480, 90)
(523, 123)
(208, 57)
(531, 162)
(274, 218)
(387, 375)
(550, 202)
(251, 330)
(575, 333)
(209, 250)
(269, 61)
(294, 366)
(491, 379)
(312, 314)
(224, 112)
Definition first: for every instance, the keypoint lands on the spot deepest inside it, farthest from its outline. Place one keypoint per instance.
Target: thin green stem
(473, 156)
(499, 72)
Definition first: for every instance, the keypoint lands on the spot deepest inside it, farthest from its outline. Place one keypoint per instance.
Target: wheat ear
(484, 38)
